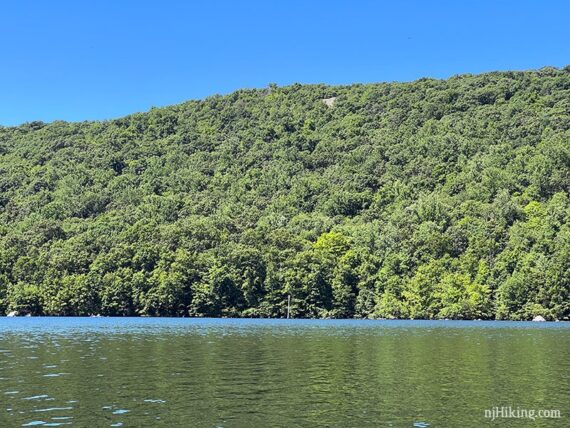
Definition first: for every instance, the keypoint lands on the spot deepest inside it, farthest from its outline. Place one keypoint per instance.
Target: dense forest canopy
(430, 199)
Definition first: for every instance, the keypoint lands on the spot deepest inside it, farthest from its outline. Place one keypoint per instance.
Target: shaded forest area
(431, 199)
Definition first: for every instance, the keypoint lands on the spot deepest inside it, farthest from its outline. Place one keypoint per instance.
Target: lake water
(96, 372)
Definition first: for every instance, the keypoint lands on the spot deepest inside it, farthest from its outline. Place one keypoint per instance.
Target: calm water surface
(92, 372)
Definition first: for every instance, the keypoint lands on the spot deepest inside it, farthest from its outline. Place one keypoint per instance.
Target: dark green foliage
(431, 199)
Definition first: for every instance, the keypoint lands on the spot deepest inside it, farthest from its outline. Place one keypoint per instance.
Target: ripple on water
(45, 424)
(117, 411)
(34, 423)
(52, 409)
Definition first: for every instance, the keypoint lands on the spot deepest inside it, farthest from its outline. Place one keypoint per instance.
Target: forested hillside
(431, 199)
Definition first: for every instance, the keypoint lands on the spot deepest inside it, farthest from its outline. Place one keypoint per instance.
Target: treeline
(431, 199)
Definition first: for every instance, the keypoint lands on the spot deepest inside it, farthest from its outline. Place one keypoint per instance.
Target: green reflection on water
(292, 373)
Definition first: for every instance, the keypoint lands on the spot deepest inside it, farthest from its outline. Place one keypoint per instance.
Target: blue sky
(82, 60)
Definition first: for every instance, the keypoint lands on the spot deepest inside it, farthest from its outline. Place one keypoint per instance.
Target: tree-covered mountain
(431, 199)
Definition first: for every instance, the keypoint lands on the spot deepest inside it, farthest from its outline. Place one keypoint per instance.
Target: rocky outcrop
(329, 102)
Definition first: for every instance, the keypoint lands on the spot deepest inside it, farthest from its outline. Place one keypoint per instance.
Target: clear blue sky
(78, 60)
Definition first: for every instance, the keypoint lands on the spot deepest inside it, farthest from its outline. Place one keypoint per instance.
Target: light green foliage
(432, 199)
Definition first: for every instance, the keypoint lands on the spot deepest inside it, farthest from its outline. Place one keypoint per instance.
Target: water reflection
(182, 372)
